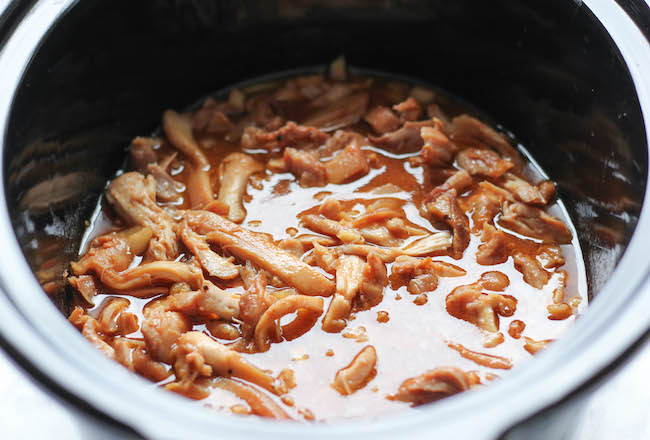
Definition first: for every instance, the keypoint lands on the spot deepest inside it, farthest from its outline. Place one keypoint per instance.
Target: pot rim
(35, 333)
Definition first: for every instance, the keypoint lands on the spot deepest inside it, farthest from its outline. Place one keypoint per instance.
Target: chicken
(234, 172)
(247, 245)
(356, 375)
(528, 193)
(469, 304)
(134, 198)
(434, 385)
(444, 208)
(534, 273)
(406, 139)
(382, 120)
(290, 304)
(535, 223)
(213, 263)
(349, 278)
(289, 135)
(468, 131)
(198, 354)
(482, 162)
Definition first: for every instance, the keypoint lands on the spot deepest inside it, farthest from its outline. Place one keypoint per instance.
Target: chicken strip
(134, 198)
(247, 245)
(234, 172)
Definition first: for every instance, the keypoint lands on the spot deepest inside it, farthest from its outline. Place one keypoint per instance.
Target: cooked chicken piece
(290, 304)
(407, 139)
(134, 198)
(494, 280)
(482, 359)
(418, 274)
(434, 385)
(223, 330)
(409, 110)
(157, 273)
(438, 150)
(533, 222)
(431, 243)
(444, 208)
(470, 132)
(331, 209)
(90, 329)
(356, 375)
(87, 286)
(482, 162)
(247, 245)
(299, 245)
(213, 263)
(289, 135)
(198, 354)
(340, 113)
(469, 304)
(485, 204)
(459, 181)
(168, 190)
(382, 120)
(234, 172)
(349, 278)
(306, 167)
(260, 404)
(551, 256)
(161, 330)
(376, 234)
(207, 302)
(534, 273)
(178, 129)
(532, 346)
(144, 365)
(253, 304)
(363, 250)
(527, 193)
(493, 250)
(142, 153)
(349, 163)
(115, 319)
(211, 118)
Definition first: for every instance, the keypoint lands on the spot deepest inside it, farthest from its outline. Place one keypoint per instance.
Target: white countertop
(618, 410)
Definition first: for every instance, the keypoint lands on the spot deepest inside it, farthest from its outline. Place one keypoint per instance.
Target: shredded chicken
(382, 120)
(329, 185)
(349, 278)
(534, 273)
(178, 129)
(213, 263)
(405, 139)
(234, 172)
(196, 354)
(285, 306)
(134, 198)
(482, 162)
(468, 303)
(444, 208)
(434, 385)
(528, 193)
(533, 222)
(356, 375)
(249, 246)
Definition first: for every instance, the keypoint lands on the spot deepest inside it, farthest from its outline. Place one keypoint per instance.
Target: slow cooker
(80, 78)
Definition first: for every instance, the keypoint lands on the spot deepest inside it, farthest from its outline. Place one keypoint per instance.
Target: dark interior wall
(545, 70)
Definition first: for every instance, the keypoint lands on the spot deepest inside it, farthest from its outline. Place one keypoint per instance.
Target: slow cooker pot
(80, 78)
